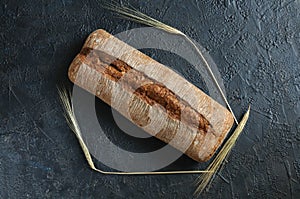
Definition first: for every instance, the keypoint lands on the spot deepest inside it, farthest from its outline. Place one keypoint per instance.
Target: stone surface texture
(255, 44)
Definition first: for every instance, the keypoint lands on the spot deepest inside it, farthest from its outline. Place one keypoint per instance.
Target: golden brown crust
(153, 92)
(100, 71)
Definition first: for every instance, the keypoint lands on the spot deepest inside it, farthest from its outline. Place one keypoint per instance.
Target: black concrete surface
(255, 44)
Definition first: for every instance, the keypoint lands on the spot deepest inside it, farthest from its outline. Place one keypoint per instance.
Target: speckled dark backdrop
(256, 45)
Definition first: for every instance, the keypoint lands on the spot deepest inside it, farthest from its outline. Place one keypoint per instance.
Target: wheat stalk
(66, 101)
(207, 175)
(206, 178)
(137, 16)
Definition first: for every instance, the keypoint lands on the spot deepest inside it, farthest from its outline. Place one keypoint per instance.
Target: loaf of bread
(151, 95)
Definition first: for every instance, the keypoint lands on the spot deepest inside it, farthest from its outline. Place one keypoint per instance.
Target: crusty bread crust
(106, 64)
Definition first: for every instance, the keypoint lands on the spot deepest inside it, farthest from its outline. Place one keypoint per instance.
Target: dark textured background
(256, 45)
